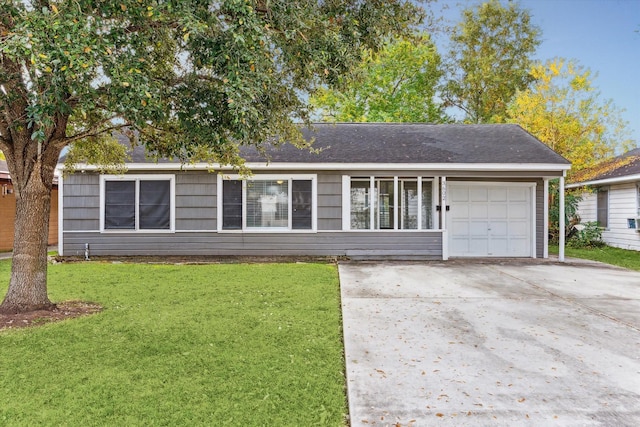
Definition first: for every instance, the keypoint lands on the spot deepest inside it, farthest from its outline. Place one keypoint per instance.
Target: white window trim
(373, 202)
(266, 177)
(137, 178)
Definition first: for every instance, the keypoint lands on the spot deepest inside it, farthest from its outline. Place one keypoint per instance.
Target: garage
(491, 219)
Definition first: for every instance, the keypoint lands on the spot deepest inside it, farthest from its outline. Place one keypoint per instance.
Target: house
(368, 190)
(613, 199)
(8, 210)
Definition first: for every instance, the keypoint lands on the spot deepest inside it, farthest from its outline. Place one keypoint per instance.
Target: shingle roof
(403, 143)
(627, 164)
(409, 143)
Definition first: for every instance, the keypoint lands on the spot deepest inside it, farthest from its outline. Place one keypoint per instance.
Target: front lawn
(230, 344)
(607, 254)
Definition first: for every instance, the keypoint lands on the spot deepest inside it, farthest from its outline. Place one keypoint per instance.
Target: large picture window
(137, 203)
(389, 203)
(268, 203)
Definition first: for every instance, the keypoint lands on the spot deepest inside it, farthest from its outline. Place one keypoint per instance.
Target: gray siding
(81, 202)
(196, 212)
(425, 245)
(329, 202)
(196, 201)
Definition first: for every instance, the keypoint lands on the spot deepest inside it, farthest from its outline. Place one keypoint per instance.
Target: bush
(587, 236)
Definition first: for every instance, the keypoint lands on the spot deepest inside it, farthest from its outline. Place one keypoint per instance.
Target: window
(603, 207)
(137, 203)
(389, 203)
(268, 203)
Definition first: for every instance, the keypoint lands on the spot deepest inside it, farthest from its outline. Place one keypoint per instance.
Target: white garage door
(490, 219)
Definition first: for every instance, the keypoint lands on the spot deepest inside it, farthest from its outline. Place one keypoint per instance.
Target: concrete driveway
(470, 343)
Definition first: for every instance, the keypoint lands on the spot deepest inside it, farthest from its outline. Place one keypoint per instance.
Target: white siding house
(612, 199)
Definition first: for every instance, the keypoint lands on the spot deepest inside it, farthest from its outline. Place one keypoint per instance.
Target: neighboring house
(8, 210)
(612, 198)
(372, 190)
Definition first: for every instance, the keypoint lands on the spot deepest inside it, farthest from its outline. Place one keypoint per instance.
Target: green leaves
(396, 84)
(490, 57)
(217, 74)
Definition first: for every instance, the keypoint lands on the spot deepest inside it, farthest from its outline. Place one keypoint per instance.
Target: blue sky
(601, 35)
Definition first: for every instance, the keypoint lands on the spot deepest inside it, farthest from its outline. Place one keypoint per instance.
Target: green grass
(235, 344)
(607, 254)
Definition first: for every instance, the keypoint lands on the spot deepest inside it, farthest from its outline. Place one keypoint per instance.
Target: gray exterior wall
(196, 213)
(424, 245)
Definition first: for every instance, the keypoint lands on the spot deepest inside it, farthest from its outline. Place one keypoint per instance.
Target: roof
(415, 143)
(4, 171)
(404, 144)
(623, 168)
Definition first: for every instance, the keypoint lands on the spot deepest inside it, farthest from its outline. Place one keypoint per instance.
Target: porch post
(443, 218)
(545, 226)
(561, 219)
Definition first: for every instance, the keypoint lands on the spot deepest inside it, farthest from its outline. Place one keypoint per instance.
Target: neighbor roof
(625, 167)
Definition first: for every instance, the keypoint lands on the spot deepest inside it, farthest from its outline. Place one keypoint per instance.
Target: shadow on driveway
(491, 343)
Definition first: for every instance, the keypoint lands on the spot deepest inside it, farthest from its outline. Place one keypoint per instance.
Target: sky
(602, 35)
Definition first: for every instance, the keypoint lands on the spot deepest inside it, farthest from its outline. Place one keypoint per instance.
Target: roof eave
(605, 181)
(471, 167)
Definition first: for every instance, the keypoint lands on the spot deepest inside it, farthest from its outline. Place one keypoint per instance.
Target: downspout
(561, 218)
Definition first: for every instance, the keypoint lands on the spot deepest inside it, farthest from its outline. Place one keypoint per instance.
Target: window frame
(603, 208)
(398, 180)
(268, 177)
(136, 179)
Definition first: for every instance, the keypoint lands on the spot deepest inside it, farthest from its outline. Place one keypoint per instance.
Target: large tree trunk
(28, 285)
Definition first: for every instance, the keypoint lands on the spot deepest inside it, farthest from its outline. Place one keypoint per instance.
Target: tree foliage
(490, 57)
(396, 84)
(564, 110)
(187, 78)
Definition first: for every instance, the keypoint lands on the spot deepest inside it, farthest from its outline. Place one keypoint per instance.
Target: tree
(397, 84)
(564, 110)
(490, 57)
(186, 79)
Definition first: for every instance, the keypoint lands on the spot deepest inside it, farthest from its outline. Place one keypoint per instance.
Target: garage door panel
(519, 194)
(499, 210)
(457, 194)
(479, 211)
(460, 228)
(499, 247)
(499, 228)
(478, 246)
(459, 246)
(478, 194)
(518, 229)
(498, 194)
(461, 211)
(518, 211)
(478, 228)
(498, 220)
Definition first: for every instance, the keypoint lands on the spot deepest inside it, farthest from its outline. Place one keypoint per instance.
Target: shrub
(587, 236)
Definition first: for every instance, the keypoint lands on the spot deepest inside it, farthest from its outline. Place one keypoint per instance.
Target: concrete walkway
(466, 343)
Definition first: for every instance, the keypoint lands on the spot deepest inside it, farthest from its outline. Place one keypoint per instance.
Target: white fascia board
(616, 180)
(471, 167)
